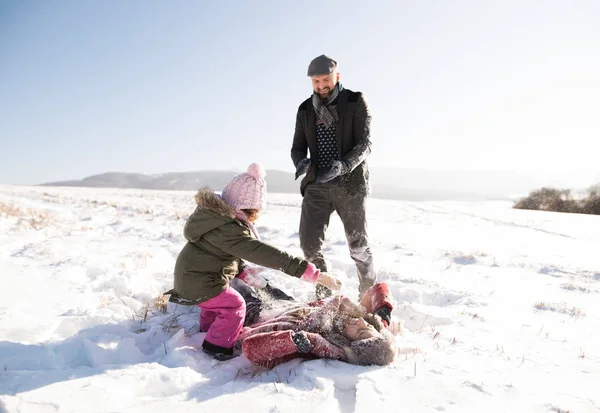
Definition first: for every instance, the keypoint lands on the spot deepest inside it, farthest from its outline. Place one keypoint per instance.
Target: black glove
(385, 313)
(322, 292)
(302, 167)
(337, 168)
(302, 342)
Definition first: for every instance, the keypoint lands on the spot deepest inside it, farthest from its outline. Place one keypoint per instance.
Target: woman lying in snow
(334, 328)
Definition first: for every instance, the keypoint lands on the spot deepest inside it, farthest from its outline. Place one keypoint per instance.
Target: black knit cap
(322, 65)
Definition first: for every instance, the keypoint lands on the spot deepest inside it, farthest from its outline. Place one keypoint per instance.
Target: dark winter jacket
(353, 134)
(217, 242)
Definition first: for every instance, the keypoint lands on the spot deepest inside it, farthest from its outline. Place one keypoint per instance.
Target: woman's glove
(302, 342)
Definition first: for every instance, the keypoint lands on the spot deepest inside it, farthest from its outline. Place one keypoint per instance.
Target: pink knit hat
(247, 190)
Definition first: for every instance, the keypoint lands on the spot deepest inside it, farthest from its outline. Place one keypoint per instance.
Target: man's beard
(325, 95)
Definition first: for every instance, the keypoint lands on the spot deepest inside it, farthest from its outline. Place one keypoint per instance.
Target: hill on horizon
(386, 183)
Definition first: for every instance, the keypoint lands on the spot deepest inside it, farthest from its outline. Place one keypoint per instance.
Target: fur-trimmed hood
(209, 201)
(212, 212)
(379, 351)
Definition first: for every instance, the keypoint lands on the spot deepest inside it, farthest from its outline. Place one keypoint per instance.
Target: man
(334, 125)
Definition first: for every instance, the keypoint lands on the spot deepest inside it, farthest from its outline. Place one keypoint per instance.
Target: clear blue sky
(161, 86)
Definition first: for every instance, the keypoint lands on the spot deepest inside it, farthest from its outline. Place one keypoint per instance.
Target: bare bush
(560, 200)
(591, 204)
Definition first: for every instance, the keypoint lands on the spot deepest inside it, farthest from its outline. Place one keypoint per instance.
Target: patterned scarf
(326, 113)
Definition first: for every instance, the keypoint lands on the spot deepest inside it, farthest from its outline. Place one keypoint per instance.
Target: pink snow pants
(222, 318)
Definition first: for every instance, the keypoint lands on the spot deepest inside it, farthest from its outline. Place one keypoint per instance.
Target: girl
(220, 234)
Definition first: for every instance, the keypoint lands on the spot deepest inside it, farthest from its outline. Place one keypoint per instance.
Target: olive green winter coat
(217, 242)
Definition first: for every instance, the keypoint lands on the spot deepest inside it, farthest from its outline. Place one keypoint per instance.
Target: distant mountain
(387, 183)
(277, 181)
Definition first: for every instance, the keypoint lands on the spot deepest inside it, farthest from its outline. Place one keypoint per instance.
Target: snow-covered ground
(501, 310)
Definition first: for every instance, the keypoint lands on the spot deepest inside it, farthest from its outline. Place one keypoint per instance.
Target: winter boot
(217, 352)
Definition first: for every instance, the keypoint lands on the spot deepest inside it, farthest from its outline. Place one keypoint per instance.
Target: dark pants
(320, 201)
(256, 302)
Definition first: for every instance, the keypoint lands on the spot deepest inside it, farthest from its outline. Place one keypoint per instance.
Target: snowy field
(501, 310)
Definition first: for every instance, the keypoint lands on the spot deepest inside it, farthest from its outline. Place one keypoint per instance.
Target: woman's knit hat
(247, 190)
